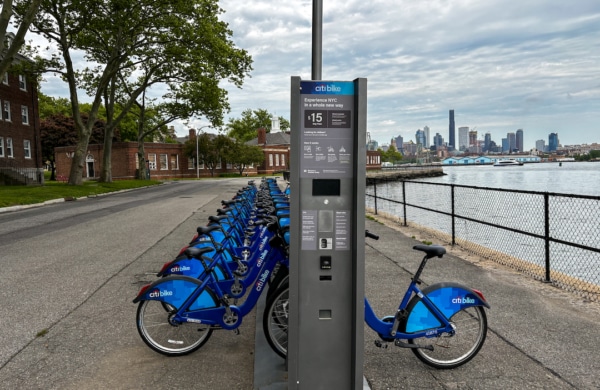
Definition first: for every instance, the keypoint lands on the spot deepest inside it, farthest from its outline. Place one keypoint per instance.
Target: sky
(501, 65)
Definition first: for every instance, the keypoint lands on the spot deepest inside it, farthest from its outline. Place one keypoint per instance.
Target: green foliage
(391, 155)
(49, 106)
(242, 156)
(244, 129)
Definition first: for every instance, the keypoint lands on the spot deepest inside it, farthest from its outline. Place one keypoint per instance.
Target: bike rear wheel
(167, 338)
(453, 350)
(275, 320)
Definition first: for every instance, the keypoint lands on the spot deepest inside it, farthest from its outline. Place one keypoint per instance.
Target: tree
(48, 106)
(244, 128)
(25, 13)
(242, 156)
(132, 46)
(212, 150)
(391, 155)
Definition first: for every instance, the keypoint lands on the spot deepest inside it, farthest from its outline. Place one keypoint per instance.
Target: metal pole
(197, 156)
(317, 39)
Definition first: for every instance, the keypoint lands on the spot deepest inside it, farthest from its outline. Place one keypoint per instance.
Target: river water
(571, 219)
(576, 178)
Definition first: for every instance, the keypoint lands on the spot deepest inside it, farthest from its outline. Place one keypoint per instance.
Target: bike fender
(450, 298)
(183, 266)
(175, 290)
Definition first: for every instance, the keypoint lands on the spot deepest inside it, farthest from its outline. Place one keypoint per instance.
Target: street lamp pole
(197, 155)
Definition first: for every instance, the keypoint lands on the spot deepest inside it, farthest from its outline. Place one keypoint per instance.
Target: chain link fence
(552, 237)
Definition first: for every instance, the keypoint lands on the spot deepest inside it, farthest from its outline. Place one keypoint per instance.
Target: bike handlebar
(371, 235)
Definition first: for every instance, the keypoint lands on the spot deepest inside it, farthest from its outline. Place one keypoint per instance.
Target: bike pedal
(379, 344)
(236, 331)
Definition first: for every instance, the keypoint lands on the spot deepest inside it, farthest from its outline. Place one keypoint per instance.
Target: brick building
(276, 147)
(20, 147)
(167, 161)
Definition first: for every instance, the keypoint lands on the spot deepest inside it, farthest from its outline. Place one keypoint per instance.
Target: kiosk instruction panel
(327, 136)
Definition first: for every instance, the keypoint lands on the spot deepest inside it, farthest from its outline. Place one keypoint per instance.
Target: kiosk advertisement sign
(327, 137)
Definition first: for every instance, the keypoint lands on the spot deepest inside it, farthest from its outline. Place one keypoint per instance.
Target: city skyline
(518, 65)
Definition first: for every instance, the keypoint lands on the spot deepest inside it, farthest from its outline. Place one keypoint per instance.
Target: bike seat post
(417, 276)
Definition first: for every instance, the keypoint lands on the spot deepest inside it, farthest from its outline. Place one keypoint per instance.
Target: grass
(24, 195)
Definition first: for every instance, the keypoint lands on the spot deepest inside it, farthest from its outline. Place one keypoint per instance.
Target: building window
(283, 160)
(229, 165)
(24, 115)
(5, 79)
(6, 111)
(174, 162)
(218, 165)
(22, 83)
(9, 148)
(27, 148)
(152, 161)
(1, 147)
(276, 160)
(164, 164)
(270, 160)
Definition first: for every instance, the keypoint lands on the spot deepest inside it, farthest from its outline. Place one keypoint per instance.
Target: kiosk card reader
(328, 162)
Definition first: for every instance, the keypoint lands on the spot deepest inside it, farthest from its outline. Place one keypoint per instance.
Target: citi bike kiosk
(327, 177)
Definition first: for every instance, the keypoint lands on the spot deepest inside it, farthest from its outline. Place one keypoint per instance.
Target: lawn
(23, 195)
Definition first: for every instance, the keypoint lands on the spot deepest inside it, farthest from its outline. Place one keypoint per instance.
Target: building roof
(279, 138)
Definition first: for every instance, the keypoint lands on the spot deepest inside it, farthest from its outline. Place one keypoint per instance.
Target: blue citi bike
(177, 313)
(444, 324)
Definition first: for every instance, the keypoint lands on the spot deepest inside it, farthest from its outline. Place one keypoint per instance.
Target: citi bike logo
(463, 300)
(263, 243)
(327, 88)
(262, 280)
(262, 258)
(156, 293)
(180, 268)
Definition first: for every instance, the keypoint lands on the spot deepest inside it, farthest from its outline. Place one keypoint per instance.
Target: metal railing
(21, 175)
(552, 237)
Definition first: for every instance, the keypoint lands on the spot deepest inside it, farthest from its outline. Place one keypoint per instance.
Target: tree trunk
(106, 175)
(143, 172)
(76, 174)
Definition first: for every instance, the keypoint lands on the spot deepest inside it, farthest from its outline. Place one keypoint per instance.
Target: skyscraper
(452, 138)
(540, 145)
(487, 142)
(420, 137)
(463, 138)
(520, 140)
(553, 142)
(426, 131)
(512, 142)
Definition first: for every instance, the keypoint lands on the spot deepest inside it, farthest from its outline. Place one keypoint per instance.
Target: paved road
(70, 270)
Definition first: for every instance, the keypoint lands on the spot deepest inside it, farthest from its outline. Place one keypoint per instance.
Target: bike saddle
(193, 252)
(207, 229)
(431, 250)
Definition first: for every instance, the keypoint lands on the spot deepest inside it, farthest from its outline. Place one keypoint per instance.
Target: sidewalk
(538, 337)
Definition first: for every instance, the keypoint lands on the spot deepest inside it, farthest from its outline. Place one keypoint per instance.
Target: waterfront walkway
(539, 337)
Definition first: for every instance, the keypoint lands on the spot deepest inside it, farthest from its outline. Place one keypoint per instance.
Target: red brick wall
(124, 157)
(15, 129)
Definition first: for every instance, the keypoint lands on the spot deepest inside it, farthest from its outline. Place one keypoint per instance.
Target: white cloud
(501, 65)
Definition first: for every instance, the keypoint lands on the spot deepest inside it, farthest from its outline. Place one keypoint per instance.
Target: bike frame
(387, 328)
(219, 315)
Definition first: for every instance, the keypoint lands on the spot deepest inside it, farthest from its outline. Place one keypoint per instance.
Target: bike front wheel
(455, 349)
(163, 336)
(275, 320)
